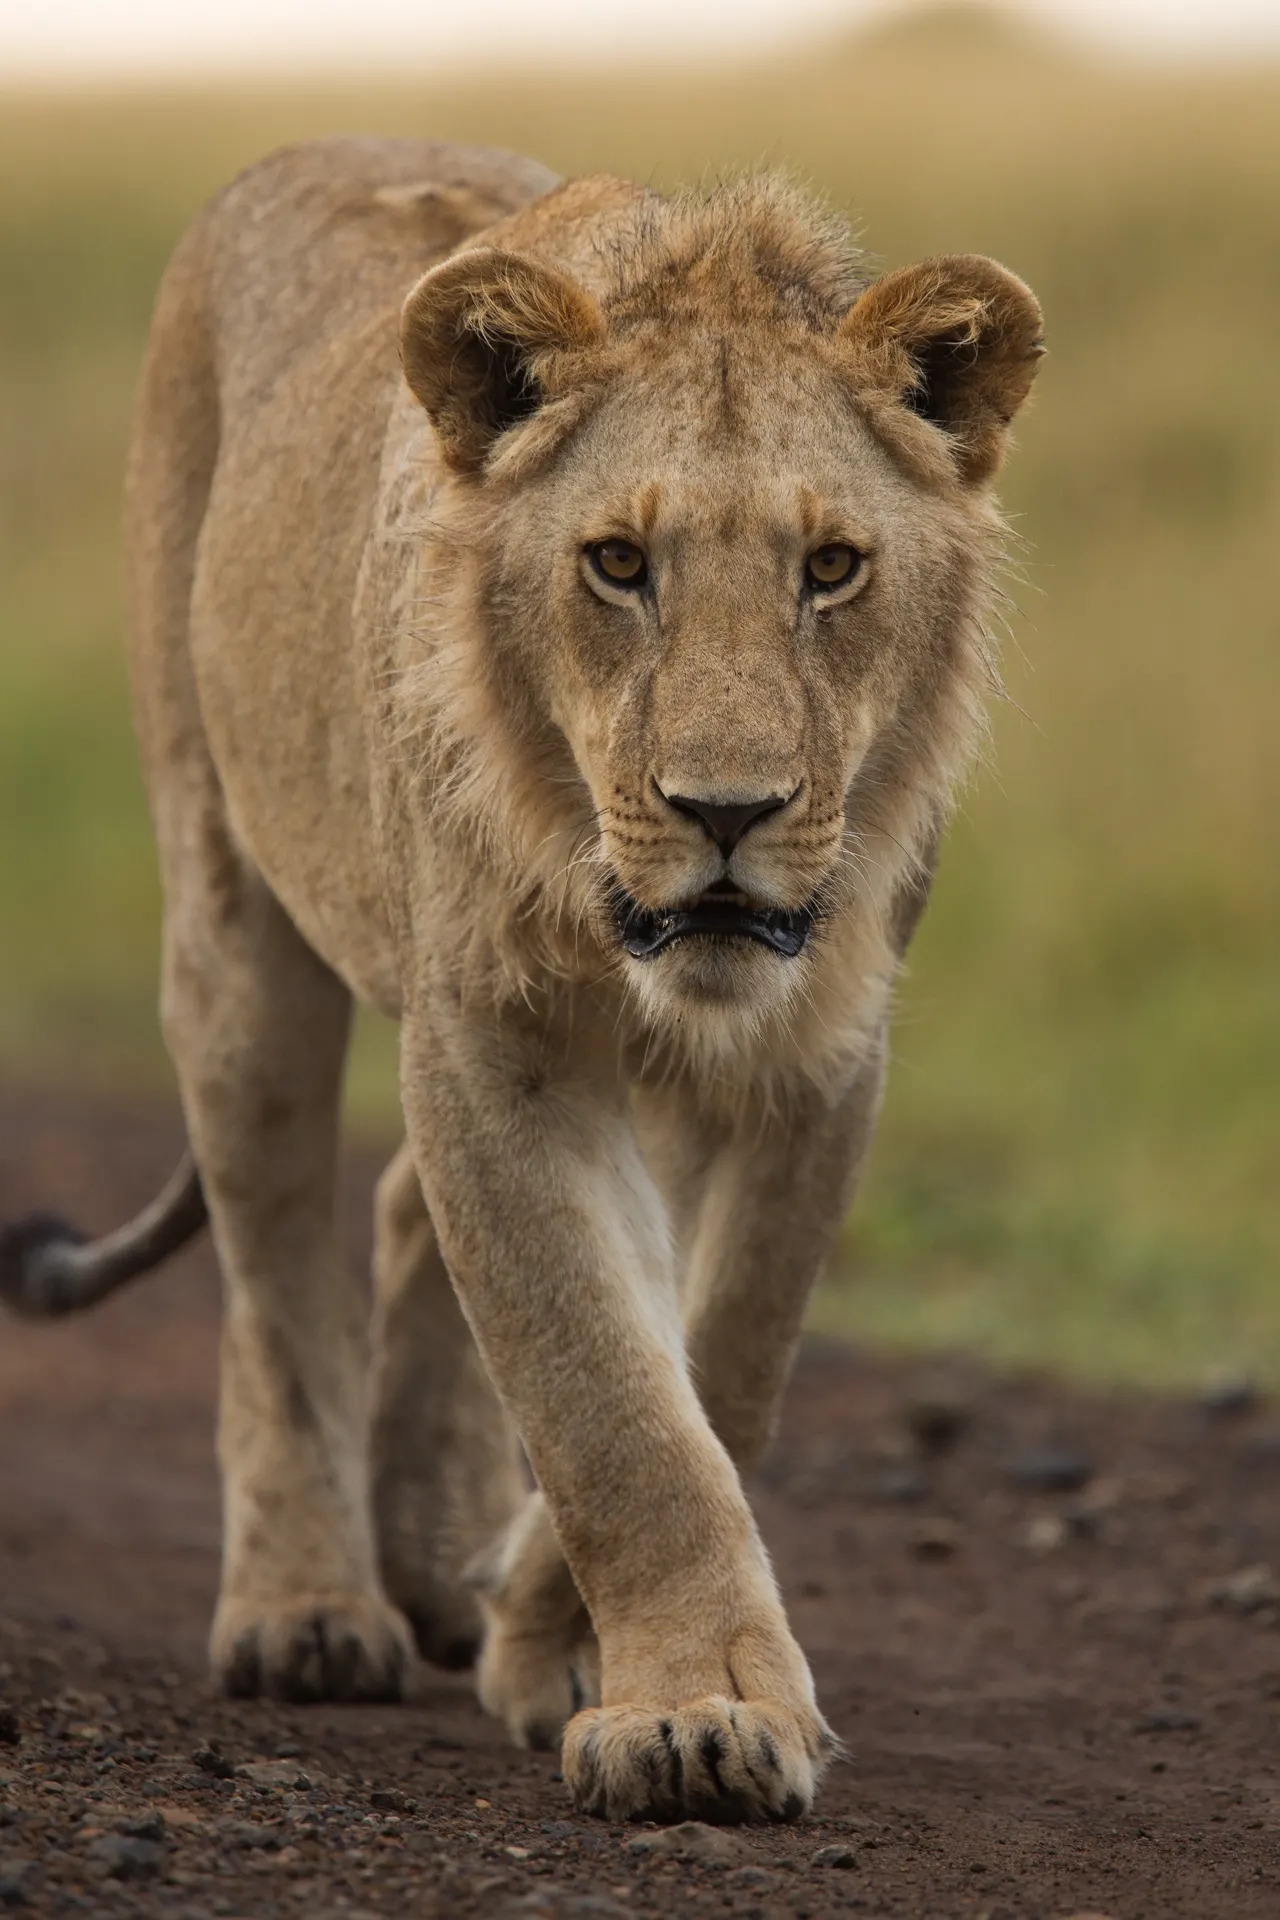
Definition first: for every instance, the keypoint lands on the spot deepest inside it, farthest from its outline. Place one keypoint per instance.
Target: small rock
(1227, 1394)
(692, 1840)
(115, 1856)
(244, 1833)
(836, 1856)
(1104, 1497)
(934, 1539)
(1083, 1521)
(391, 1800)
(273, 1773)
(1046, 1533)
(1247, 1591)
(1050, 1470)
(937, 1416)
(177, 1816)
(1167, 1720)
(554, 1902)
(211, 1759)
(10, 1731)
(749, 1877)
(19, 1880)
(899, 1483)
(150, 1827)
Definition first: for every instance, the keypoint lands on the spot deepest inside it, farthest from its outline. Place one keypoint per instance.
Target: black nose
(726, 820)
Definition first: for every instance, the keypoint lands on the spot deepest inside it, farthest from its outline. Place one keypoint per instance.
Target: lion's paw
(536, 1682)
(445, 1619)
(349, 1646)
(716, 1759)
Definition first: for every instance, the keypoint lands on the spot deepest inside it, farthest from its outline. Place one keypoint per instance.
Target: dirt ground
(1043, 1624)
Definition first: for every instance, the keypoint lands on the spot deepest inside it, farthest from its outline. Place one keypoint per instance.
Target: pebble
(1227, 1395)
(272, 1773)
(18, 1882)
(1167, 1720)
(934, 1539)
(836, 1856)
(899, 1483)
(1246, 1591)
(211, 1759)
(115, 1856)
(552, 1902)
(1050, 1470)
(692, 1840)
(937, 1417)
(391, 1800)
(1046, 1533)
(150, 1827)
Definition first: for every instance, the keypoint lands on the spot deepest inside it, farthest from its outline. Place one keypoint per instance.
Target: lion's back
(318, 239)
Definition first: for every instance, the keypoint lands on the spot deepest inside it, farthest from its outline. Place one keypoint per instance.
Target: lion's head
(723, 509)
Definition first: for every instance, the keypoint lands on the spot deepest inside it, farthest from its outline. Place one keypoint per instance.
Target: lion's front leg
(447, 1474)
(558, 1242)
(754, 1218)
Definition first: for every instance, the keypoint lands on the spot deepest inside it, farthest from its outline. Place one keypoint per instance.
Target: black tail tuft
(35, 1276)
(48, 1268)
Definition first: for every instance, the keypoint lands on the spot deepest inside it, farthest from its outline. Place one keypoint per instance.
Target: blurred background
(1079, 1160)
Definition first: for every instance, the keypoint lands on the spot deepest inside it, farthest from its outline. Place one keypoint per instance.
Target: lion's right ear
(485, 338)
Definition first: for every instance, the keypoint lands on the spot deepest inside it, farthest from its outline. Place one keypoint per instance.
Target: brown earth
(1055, 1702)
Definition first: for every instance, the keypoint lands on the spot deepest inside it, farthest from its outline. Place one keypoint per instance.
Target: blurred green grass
(1079, 1158)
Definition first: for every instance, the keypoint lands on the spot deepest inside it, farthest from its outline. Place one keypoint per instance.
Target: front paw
(715, 1759)
(535, 1681)
(325, 1646)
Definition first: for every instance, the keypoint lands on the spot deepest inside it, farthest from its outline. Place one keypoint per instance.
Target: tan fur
(403, 745)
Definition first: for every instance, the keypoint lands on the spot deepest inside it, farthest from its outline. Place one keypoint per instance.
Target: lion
(558, 623)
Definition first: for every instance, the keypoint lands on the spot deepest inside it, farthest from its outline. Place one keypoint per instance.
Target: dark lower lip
(645, 933)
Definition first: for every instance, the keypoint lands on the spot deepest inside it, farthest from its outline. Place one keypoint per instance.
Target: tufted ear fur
(484, 338)
(955, 341)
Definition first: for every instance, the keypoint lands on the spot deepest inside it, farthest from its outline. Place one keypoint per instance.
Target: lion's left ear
(956, 341)
(483, 338)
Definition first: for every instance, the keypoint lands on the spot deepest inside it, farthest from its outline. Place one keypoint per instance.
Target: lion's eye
(832, 566)
(620, 562)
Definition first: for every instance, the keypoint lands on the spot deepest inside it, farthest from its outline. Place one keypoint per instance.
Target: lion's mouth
(721, 913)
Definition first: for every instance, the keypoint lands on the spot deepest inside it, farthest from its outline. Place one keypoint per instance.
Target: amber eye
(620, 562)
(832, 566)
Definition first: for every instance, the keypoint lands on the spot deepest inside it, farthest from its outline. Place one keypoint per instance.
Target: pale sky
(86, 38)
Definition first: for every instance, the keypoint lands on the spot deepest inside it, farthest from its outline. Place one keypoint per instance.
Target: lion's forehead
(776, 455)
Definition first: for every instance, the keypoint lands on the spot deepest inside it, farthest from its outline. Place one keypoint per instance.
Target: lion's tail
(47, 1267)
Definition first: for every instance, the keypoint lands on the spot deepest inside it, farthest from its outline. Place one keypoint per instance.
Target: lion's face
(724, 597)
(735, 543)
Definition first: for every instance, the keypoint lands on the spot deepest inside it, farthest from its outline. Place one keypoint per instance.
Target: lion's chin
(719, 953)
(741, 979)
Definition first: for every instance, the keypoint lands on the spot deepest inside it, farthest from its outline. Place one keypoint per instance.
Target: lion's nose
(727, 820)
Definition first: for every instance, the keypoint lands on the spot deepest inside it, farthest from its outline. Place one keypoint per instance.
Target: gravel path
(1045, 1625)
